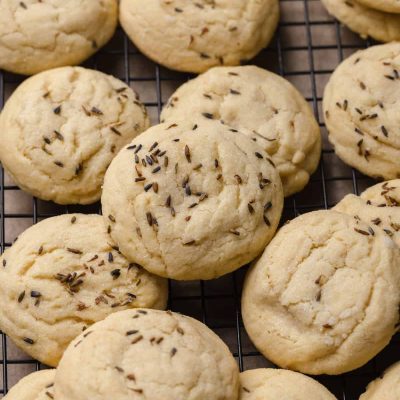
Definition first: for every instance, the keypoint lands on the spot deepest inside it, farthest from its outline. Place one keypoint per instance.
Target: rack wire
(308, 45)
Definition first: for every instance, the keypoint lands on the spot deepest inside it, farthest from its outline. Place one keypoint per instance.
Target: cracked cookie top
(60, 130)
(324, 297)
(362, 110)
(275, 114)
(36, 35)
(273, 383)
(194, 36)
(192, 200)
(146, 355)
(62, 275)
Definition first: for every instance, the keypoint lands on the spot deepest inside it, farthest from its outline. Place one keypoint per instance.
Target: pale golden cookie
(273, 384)
(193, 36)
(385, 194)
(362, 110)
(192, 200)
(386, 387)
(379, 205)
(36, 35)
(148, 355)
(365, 21)
(35, 386)
(60, 130)
(62, 275)
(275, 114)
(324, 297)
(389, 6)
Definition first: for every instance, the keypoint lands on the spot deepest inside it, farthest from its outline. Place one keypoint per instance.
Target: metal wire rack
(307, 47)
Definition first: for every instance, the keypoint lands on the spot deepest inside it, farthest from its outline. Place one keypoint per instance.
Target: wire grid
(307, 47)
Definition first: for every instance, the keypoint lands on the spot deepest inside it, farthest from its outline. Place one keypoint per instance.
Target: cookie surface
(148, 354)
(362, 111)
(378, 205)
(35, 386)
(192, 200)
(324, 296)
(385, 194)
(62, 275)
(276, 115)
(389, 6)
(385, 388)
(61, 129)
(195, 36)
(272, 384)
(365, 21)
(39, 35)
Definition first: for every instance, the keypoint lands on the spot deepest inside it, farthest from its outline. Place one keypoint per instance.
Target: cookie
(62, 275)
(362, 113)
(379, 206)
(385, 194)
(389, 6)
(275, 113)
(365, 21)
(272, 384)
(39, 35)
(192, 200)
(324, 296)
(195, 36)
(386, 387)
(60, 130)
(35, 386)
(148, 354)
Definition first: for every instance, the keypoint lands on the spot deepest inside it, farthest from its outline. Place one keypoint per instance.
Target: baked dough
(389, 6)
(62, 275)
(386, 387)
(365, 21)
(273, 384)
(148, 355)
(275, 114)
(60, 130)
(324, 297)
(379, 205)
(192, 200)
(36, 35)
(193, 36)
(362, 111)
(35, 386)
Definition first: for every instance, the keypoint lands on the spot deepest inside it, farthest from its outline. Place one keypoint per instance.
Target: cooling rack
(308, 45)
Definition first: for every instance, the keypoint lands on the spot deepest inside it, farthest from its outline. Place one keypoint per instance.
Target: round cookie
(272, 384)
(60, 130)
(378, 205)
(276, 115)
(324, 297)
(192, 200)
(62, 275)
(365, 21)
(148, 354)
(389, 6)
(362, 111)
(386, 387)
(195, 36)
(35, 386)
(37, 35)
